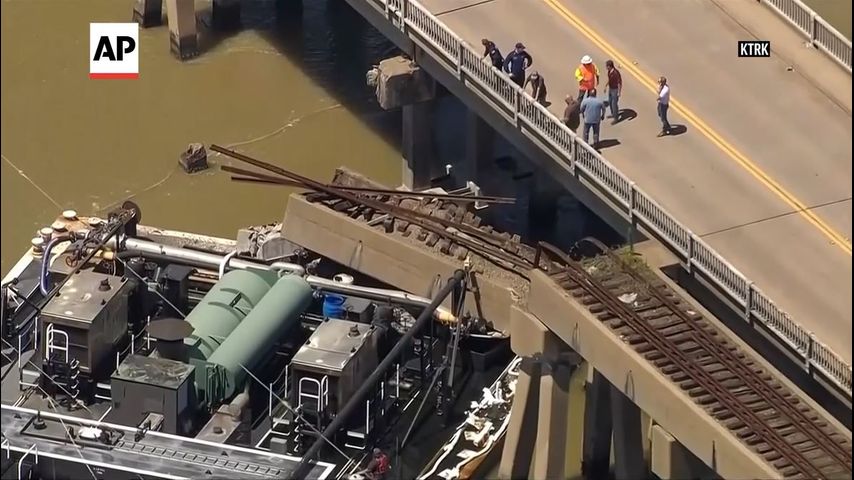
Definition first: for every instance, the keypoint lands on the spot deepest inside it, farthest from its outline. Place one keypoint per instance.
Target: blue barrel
(333, 306)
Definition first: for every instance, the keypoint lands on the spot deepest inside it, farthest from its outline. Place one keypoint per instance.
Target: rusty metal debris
(484, 244)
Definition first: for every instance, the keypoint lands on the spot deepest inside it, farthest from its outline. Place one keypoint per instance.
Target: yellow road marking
(652, 85)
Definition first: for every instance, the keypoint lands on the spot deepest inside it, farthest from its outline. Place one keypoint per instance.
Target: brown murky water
(287, 91)
(836, 12)
(88, 144)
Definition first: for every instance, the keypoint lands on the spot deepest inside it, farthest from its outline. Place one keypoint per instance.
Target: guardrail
(518, 107)
(818, 31)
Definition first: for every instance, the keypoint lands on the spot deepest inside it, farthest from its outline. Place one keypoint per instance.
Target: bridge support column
(552, 422)
(480, 139)
(148, 13)
(542, 205)
(418, 154)
(400, 82)
(629, 461)
(596, 449)
(520, 437)
(183, 40)
(226, 14)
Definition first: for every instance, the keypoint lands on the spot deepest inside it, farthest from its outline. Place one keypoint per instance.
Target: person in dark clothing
(491, 51)
(615, 89)
(538, 86)
(516, 63)
(572, 113)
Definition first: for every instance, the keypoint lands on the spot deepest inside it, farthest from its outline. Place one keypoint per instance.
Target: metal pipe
(212, 260)
(380, 294)
(368, 385)
(46, 262)
(271, 180)
(206, 259)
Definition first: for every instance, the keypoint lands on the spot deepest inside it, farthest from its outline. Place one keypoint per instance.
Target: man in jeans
(615, 87)
(593, 111)
(663, 105)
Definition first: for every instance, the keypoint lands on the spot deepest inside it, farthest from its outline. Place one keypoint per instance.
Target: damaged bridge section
(403, 254)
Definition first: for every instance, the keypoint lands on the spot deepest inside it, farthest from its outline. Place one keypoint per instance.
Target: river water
(288, 88)
(294, 92)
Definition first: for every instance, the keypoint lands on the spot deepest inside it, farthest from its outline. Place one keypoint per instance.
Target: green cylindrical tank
(274, 315)
(223, 308)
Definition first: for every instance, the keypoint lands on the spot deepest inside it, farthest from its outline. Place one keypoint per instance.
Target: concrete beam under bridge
(640, 382)
(389, 258)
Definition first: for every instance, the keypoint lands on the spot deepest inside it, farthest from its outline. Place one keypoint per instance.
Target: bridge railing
(817, 30)
(583, 161)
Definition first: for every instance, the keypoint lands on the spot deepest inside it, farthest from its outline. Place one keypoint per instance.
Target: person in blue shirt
(593, 112)
(516, 63)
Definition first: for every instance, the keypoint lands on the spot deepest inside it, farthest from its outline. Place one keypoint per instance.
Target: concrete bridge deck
(762, 171)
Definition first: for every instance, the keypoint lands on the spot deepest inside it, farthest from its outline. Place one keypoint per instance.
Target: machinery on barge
(125, 357)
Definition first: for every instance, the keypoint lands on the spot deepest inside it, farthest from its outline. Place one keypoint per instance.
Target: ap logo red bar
(113, 50)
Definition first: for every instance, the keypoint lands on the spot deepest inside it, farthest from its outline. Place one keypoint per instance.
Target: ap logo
(114, 50)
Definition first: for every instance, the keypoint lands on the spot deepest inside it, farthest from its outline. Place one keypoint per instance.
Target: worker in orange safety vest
(587, 75)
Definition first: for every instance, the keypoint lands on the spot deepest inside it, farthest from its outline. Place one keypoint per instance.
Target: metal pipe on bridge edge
(355, 401)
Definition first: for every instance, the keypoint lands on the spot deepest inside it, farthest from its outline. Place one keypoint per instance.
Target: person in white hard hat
(587, 75)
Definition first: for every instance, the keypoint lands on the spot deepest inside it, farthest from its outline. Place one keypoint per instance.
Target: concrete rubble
(265, 243)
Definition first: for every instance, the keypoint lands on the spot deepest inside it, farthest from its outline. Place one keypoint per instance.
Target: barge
(134, 352)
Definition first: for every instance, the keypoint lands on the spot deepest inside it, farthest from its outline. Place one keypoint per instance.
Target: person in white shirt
(663, 105)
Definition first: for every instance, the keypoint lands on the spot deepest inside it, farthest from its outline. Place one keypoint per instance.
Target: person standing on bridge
(615, 88)
(571, 115)
(587, 75)
(593, 110)
(538, 86)
(491, 52)
(663, 105)
(516, 63)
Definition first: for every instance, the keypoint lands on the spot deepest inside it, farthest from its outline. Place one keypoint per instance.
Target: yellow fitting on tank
(444, 316)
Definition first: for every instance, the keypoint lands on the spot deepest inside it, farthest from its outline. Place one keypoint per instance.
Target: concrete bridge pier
(629, 462)
(226, 14)
(480, 142)
(553, 420)
(598, 427)
(148, 13)
(542, 398)
(542, 204)
(418, 164)
(401, 83)
(183, 38)
(520, 438)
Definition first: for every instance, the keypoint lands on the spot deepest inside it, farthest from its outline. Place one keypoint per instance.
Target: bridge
(754, 192)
